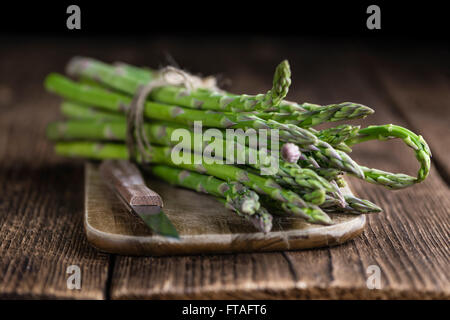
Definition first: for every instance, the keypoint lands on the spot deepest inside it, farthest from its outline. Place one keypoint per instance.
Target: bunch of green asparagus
(306, 182)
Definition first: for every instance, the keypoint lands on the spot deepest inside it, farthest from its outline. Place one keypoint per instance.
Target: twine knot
(136, 137)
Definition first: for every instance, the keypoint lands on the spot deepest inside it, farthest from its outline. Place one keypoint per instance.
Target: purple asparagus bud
(290, 152)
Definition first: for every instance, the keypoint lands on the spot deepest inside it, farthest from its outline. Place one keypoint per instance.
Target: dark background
(411, 20)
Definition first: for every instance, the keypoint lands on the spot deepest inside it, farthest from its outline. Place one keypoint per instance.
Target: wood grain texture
(41, 196)
(402, 240)
(125, 179)
(204, 225)
(409, 241)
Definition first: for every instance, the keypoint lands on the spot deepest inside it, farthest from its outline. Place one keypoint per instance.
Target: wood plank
(41, 196)
(409, 241)
(421, 96)
(240, 276)
(204, 225)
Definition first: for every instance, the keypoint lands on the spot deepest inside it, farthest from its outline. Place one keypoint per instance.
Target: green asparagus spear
(262, 219)
(311, 183)
(292, 202)
(353, 205)
(79, 111)
(389, 131)
(289, 133)
(336, 136)
(237, 197)
(144, 74)
(322, 114)
(126, 79)
(306, 114)
(112, 101)
(160, 133)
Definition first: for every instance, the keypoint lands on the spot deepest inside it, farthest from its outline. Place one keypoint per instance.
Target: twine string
(136, 137)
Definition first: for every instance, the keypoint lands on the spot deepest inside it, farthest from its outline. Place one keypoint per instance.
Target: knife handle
(125, 178)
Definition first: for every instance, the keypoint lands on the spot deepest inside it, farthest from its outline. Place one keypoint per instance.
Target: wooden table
(41, 195)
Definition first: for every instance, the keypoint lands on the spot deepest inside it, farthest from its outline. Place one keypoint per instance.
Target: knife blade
(126, 181)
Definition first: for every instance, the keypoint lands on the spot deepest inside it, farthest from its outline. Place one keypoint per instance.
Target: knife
(126, 181)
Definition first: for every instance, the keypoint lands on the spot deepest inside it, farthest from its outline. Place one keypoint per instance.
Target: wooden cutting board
(204, 225)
